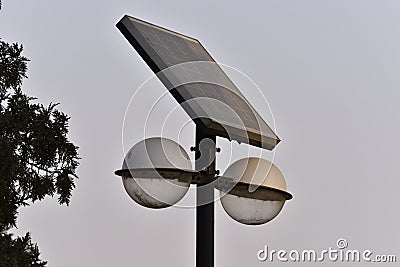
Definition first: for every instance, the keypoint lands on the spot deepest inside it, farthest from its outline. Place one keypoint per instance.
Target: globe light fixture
(253, 191)
(152, 172)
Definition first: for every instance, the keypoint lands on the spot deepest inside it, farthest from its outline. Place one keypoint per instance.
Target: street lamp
(157, 172)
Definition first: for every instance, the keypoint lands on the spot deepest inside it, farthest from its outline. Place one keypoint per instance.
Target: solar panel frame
(131, 29)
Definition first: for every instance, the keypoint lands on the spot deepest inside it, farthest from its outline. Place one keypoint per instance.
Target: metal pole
(205, 194)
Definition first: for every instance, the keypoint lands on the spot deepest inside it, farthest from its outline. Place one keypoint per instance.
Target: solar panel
(198, 83)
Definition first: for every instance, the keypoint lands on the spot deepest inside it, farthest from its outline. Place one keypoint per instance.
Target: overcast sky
(330, 71)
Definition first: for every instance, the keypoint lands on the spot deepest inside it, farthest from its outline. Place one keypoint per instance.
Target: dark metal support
(205, 153)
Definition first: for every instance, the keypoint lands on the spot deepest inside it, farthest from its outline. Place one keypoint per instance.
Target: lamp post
(157, 172)
(267, 199)
(205, 200)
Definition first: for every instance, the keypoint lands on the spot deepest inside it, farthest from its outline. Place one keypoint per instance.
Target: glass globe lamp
(150, 172)
(257, 191)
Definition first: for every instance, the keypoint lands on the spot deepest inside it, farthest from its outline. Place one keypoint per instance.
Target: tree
(36, 157)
